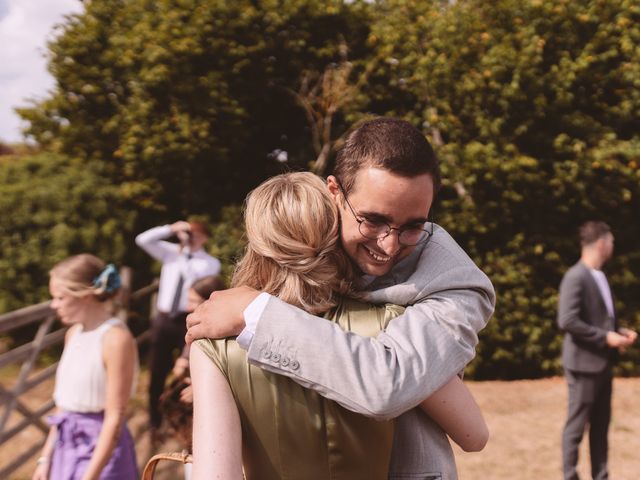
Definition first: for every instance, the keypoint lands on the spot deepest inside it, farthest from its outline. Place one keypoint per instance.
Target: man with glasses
(384, 184)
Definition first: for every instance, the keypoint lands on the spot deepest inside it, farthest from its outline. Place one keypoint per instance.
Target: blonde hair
(293, 249)
(77, 275)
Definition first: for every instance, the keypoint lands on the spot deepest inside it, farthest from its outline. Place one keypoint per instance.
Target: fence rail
(47, 336)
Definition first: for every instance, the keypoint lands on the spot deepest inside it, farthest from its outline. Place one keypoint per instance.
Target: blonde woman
(95, 378)
(266, 422)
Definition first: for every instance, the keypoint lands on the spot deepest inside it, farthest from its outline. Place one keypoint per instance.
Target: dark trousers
(167, 336)
(589, 404)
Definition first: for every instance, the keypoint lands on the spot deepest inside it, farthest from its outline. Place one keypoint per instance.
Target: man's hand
(617, 340)
(630, 334)
(221, 316)
(182, 230)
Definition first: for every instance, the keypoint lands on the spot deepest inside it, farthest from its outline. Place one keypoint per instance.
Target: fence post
(26, 368)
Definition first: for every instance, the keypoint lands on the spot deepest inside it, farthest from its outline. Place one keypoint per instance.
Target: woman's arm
(120, 357)
(44, 461)
(456, 411)
(217, 436)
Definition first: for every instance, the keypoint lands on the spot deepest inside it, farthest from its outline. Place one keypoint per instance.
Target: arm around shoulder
(450, 300)
(380, 377)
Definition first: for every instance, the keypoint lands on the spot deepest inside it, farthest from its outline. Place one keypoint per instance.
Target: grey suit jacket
(449, 300)
(583, 316)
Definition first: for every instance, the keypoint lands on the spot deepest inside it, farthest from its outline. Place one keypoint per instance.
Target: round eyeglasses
(378, 230)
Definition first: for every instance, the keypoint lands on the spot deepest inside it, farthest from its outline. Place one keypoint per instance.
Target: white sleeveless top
(81, 378)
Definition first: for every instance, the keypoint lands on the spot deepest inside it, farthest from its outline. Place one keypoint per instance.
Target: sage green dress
(290, 432)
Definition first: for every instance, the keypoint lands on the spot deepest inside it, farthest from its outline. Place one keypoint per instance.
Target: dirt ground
(525, 418)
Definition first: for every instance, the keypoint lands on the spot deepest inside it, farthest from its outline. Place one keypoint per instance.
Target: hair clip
(108, 280)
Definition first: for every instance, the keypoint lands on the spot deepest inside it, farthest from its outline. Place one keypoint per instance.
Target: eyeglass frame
(361, 220)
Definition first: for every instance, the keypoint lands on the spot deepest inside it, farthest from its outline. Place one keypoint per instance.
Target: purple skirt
(77, 437)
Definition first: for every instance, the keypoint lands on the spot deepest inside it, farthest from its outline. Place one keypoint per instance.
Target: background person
(587, 315)
(293, 252)
(384, 183)
(182, 264)
(95, 378)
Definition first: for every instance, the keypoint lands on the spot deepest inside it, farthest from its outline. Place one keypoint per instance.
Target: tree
(533, 105)
(183, 101)
(54, 207)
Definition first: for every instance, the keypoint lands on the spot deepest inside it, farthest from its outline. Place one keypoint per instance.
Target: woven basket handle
(150, 467)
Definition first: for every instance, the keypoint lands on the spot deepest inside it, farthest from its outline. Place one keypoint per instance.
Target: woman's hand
(180, 367)
(41, 472)
(186, 395)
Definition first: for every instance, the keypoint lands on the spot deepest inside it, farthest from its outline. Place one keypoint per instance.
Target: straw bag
(150, 467)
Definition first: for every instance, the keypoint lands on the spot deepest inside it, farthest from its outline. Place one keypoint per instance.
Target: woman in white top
(95, 378)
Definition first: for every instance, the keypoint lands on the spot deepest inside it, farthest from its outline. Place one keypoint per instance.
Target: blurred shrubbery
(167, 109)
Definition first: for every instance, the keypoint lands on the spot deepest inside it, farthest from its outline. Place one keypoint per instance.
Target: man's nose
(390, 244)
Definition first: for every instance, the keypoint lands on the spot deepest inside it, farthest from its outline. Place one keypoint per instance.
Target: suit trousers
(589, 404)
(167, 336)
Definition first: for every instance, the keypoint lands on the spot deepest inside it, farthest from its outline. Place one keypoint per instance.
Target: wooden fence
(49, 334)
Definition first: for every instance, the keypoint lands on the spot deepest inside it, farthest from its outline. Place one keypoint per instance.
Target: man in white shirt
(592, 336)
(182, 264)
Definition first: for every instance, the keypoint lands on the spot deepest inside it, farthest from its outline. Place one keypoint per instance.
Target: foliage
(532, 104)
(53, 207)
(183, 101)
(227, 239)
(172, 109)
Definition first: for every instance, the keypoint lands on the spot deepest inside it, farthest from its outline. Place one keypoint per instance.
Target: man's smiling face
(381, 196)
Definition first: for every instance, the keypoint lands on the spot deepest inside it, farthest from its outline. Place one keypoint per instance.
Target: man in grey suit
(586, 314)
(384, 184)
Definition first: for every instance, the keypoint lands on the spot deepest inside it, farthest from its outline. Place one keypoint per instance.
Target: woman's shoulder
(116, 333)
(351, 306)
(220, 347)
(364, 318)
(222, 352)
(73, 330)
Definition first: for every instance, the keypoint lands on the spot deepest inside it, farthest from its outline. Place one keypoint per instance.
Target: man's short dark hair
(391, 144)
(592, 231)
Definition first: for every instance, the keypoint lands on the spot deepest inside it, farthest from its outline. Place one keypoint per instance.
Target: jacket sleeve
(387, 375)
(153, 242)
(569, 312)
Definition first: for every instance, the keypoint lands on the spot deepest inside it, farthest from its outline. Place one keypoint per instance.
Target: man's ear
(334, 188)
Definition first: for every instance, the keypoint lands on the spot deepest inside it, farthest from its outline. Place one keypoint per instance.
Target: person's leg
(579, 408)
(166, 335)
(599, 427)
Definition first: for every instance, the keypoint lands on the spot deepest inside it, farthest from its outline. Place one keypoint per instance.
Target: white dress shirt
(175, 263)
(605, 290)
